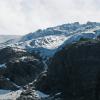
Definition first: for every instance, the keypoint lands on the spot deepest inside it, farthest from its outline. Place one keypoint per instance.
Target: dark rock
(23, 72)
(7, 54)
(21, 67)
(6, 84)
(74, 71)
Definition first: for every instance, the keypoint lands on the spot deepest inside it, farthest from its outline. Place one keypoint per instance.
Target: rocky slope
(74, 72)
(18, 68)
(72, 53)
(48, 41)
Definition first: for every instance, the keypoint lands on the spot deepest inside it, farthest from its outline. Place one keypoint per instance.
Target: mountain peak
(50, 40)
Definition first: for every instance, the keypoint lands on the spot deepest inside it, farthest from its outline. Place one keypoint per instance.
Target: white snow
(23, 58)
(48, 45)
(9, 95)
(3, 66)
(49, 42)
(41, 94)
(4, 92)
(46, 42)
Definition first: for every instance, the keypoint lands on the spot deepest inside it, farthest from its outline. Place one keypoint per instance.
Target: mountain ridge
(48, 41)
(42, 58)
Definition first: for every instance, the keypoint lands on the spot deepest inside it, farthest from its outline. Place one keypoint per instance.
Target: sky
(24, 16)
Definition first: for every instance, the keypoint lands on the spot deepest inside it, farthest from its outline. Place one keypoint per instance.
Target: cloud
(24, 16)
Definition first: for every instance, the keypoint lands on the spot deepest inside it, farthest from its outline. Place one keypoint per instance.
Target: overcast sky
(24, 16)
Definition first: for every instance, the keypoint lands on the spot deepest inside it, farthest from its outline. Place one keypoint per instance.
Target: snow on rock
(9, 95)
(50, 42)
(23, 58)
(46, 45)
(46, 42)
(41, 94)
(3, 66)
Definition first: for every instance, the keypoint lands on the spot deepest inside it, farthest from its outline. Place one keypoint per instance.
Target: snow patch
(3, 66)
(9, 95)
(41, 94)
(23, 58)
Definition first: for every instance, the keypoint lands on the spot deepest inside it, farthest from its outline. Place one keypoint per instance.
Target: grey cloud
(23, 16)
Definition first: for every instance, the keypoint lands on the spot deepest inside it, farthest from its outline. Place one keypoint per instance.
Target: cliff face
(74, 71)
(18, 68)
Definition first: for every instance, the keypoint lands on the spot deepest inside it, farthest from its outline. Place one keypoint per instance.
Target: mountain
(51, 62)
(66, 29)
(18, 67)
(74, 73)
(48, 41)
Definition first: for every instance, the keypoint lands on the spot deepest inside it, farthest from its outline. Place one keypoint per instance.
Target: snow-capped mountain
(46, 42)
(65, 29)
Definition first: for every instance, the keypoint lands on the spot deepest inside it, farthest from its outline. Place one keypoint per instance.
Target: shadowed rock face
(7, 54)
(75, 71)
(20, 67)
(23, 72)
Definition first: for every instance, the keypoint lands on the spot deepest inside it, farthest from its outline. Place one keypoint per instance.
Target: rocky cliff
(74, 71)
(18, 68)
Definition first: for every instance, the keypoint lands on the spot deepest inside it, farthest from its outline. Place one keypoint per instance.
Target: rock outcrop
(74, 71)
(19, 66)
